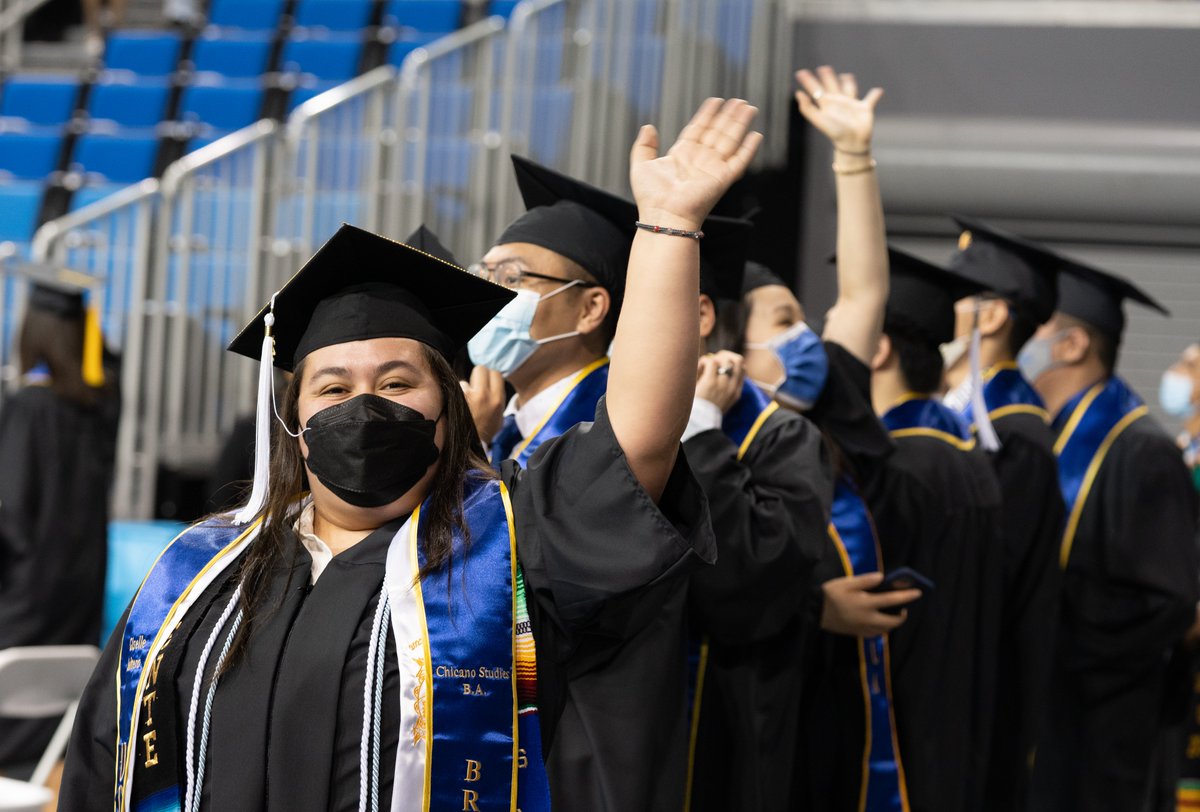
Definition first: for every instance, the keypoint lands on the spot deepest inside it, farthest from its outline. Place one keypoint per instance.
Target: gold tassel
(93, 348)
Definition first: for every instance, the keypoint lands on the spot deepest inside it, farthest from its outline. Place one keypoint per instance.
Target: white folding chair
(38, 682)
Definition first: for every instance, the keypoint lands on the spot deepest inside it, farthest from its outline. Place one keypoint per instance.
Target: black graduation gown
(56, 463)
(1027, 471)
(938, 510)
(769, 511)
(599, 558)
(1129, 593)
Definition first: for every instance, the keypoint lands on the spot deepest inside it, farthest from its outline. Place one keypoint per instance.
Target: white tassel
(983, 423)
(262, 425)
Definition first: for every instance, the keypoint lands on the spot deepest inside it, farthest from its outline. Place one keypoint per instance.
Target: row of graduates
(705, 629)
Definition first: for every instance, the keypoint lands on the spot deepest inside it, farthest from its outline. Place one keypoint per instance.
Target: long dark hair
(57, 342)
(462, 455)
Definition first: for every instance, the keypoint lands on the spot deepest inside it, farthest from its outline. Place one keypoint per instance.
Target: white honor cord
(983, 421)
(369, 747)
(193, 761)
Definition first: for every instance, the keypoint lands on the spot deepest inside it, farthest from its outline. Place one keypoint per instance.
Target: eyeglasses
(511, 274)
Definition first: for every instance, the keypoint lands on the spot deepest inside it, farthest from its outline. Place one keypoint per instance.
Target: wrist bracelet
(862, 154)
(870, 167)
(670, 232)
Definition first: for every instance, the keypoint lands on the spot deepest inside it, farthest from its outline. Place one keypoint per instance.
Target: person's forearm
(862, 261)
(652, 376)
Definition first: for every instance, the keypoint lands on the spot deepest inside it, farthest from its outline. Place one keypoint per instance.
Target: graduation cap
(1018, 270)
(358, 286)
(425, 240)
(922, 296)
(1096, 297)
(758, 276)
(723, 257)
(69, 294)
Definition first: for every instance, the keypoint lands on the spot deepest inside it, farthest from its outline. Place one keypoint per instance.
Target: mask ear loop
(983, 422)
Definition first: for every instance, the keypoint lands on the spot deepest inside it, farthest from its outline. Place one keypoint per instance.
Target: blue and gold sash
(481, 748)
(920, 416)
(577, 405)
(883, 784)
(1005, 392)
(741, 425)
(1087, 427)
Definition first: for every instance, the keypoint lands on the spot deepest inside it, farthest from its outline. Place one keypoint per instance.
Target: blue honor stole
(920, 416)
(883, 786)
(482, 743)
(577, 405)
(1005, 392)
(1087, 427)
(183, 570)
(741, 425)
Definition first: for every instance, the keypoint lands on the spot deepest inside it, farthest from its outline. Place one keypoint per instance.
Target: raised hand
(830, 102)
(679, 189)
(719, 379)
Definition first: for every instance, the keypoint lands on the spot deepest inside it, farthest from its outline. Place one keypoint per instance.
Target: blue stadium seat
(329, 58)
(122, 157)
(251, 15)
(430, 16)
(549, 138)
(137, 103)
(27, 156)
(223, 107)
(502, 8)
(399, 50)
(335, 15)
(146, 53)
(42, 100)
(20, 203)
(241, 54)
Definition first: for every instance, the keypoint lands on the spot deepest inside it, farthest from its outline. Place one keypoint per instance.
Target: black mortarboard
(723, 257)
(759, 276)
(922, 296)
(1018, 270)
(1096, 297)
(57, 290)
(359, 285)
(587, 225)
(425, 240)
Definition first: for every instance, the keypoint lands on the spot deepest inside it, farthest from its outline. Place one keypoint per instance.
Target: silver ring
(724, 370)
(817, 94)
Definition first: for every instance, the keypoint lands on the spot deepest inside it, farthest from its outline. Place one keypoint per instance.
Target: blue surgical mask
(1175, 394)
(804, 362)
(504, 343)
(1037, 357)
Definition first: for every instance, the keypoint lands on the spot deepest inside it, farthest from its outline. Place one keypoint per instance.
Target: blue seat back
(146, 53)
(225, 107)
(42, 100)
(434, 16)
(252, 15)
(334, 58)
(29, 156)
(118, 158)
(19, 207)
(335, 15)
(240, 55)
(141, 103)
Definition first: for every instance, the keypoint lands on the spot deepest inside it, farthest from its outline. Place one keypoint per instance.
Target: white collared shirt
(705, 416)
(319, 550)
(529, 415)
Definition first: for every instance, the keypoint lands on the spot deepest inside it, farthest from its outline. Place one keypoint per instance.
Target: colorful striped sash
(1087, 427)
(883, 785)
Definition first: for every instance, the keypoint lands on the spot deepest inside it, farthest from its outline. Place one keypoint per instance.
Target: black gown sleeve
(769, 511)
(590, 539)
(19, 473)
(89, 771)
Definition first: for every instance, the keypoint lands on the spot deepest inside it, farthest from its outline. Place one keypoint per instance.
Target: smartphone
(903, 578)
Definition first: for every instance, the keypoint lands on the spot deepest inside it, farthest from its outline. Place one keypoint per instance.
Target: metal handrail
(337, 96)
(189, 164)
(51, 230)
(12, 18)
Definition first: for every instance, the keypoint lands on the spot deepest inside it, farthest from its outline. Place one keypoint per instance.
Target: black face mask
(370, 450)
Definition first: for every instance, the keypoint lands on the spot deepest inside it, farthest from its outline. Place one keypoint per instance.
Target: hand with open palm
(679, 189)
(830, 102)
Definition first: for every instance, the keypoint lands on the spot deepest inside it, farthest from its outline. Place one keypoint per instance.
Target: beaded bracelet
(670, 232)
(858, 170)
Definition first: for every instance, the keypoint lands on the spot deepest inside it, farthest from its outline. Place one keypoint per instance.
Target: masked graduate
(57, 447)
(1128, 554)
(767, 476)
(566, 257)
(845, 689)
(1020, 278)
(372, 643)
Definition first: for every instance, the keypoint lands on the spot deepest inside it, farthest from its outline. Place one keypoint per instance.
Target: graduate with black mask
(1020, 278)
(768, 479)
(1128, 554)
(938, 511)
(387, 638)
(57, 449)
